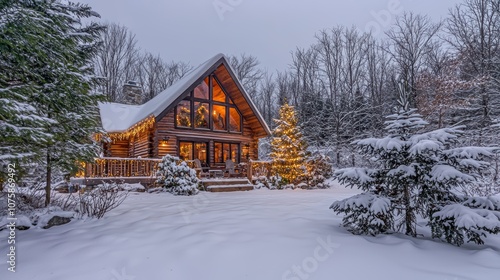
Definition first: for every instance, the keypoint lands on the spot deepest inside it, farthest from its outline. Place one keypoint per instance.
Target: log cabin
(206, 115)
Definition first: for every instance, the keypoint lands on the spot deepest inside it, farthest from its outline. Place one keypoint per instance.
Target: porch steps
(227, 185)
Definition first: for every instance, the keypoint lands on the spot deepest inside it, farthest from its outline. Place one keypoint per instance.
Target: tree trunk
(408, 213)
(49, 179)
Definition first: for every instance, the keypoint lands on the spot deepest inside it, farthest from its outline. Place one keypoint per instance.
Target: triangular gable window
(218, 93)
(209, 108)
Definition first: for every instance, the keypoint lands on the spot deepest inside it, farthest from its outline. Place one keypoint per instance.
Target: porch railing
(121, 167)
(259, 168)
(147, 167)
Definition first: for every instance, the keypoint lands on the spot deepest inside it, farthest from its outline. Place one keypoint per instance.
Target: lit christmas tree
(288, 149)
(201, 116)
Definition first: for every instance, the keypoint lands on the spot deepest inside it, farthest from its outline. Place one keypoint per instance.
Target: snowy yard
(257, 235)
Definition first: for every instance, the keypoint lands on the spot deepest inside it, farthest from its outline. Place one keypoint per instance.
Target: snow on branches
(419, 174)
(176, 177)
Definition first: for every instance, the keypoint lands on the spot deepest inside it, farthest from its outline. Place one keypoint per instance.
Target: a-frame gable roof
(117, 117)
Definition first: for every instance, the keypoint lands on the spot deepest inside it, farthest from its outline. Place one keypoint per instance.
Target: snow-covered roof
(118, 117)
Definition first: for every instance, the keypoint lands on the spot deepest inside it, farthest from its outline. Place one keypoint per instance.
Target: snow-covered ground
(256, 235)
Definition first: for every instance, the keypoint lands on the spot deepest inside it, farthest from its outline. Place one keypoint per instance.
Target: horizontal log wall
(166, 128)
(140, 145)
(118, 148)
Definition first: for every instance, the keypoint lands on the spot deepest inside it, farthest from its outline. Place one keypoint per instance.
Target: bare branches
(116, 59)
(99, 201)
(120, 60)
(411, 41)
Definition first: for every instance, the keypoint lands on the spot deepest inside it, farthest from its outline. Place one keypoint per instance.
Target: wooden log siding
(118, 148)
(166, 128)
(137, 146)
(141, 145)
(150, 144)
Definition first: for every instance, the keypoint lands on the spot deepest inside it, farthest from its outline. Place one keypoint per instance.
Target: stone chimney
(132, 93)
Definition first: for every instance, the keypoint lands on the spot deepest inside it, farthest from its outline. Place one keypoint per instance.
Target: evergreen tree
(21, 124)
(288, 149)
(418, 174)
(50, 112)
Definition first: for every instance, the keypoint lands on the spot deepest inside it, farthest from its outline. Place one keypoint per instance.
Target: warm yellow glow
(287, 145)
(136, 129)
(81, 170)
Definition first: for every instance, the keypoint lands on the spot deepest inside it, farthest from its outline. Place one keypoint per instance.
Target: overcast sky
(195, 30)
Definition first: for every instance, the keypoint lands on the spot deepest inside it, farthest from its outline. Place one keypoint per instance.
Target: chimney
(132, 93)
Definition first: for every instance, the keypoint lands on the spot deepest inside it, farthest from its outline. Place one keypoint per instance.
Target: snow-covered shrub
(177, 177)
(467, 221)
(262, 182)
(318, 169)
(366, 213)
(276, 182)
(418, 174)
(272, 183)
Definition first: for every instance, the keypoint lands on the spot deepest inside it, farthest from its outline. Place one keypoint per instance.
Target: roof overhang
(118, 118)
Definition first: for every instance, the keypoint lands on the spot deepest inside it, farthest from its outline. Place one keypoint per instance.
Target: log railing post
(249, 170)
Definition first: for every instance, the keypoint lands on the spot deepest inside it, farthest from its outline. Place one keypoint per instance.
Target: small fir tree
(176, 177)
(418, 174)
(288, 148)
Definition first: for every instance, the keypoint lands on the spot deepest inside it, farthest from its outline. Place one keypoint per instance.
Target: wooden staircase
(227, 185)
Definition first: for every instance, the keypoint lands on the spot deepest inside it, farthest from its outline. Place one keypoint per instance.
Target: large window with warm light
(201, 115)
(202, 91)
(234, 120)
(186, 150)
(219, 117)
(225, 151)
(193, 150)
(183, 114)
(208, 107)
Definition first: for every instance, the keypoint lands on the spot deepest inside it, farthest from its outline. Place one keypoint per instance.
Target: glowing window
(218, 93)
(201, 115)
(186, 150)
(202, 91)
(225, 151)
(234, 120)
(219, 117)
(183, 114)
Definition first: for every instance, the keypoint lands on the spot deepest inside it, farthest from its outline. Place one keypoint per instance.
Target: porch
(143, 170)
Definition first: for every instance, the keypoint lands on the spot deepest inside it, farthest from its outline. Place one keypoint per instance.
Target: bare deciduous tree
(116, 60)
(247, 71)
(411, 40)
(473, 28)
(267, 97)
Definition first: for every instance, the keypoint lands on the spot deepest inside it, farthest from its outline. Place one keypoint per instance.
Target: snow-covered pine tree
(176, 177)
(21, 124)
(418, 174)
(53, 50)
(288, 148)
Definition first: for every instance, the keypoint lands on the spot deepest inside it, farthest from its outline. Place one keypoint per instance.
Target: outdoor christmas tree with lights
(288, 149)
